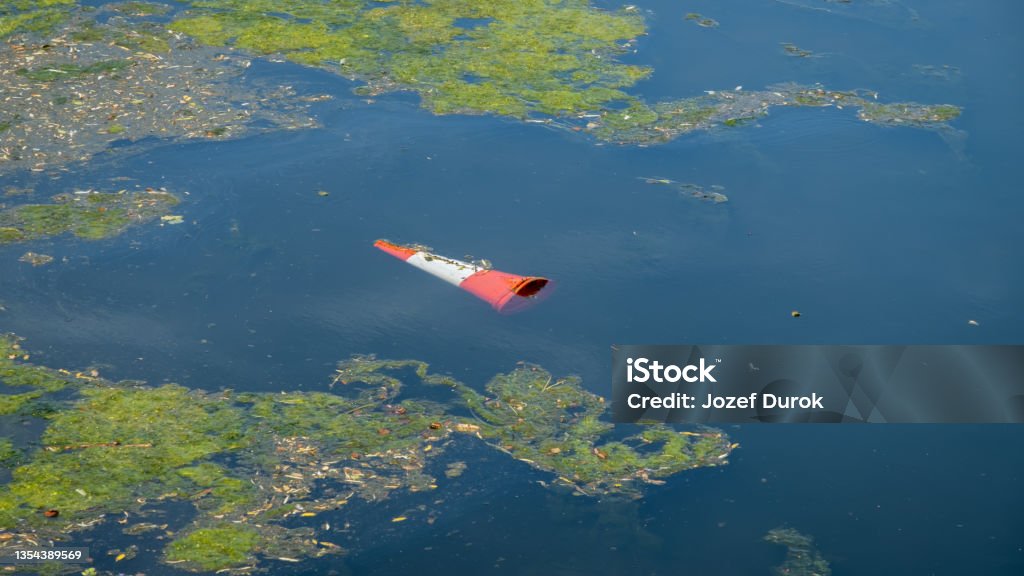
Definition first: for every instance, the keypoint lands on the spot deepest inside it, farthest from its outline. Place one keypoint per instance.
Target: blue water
(875, 234)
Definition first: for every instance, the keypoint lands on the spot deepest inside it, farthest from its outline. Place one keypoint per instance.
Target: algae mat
(75, 80)
(247, 462)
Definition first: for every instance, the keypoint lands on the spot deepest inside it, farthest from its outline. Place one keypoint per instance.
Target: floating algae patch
(702, 21)
(36, 259)
(907, 114)
(224, 545)
(33, 16)
(15, 372)
(543, 61)
(7, 451)
(515, 59)
(641, 124)
(86, 214)
(90, 83)
(795, 51)
(255, 465)
(556, 425)
(715, 193)
(802, 558)
(16, 403)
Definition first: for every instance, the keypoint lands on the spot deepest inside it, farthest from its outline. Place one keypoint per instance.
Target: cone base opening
(531, 287)
(532, 292)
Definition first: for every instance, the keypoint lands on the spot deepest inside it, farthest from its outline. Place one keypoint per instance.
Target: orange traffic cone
(505, 292)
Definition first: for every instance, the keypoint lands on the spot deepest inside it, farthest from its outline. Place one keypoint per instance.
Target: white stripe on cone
(447, 269)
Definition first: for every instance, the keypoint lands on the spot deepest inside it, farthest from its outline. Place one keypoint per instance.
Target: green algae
(114, 446)
(642, 124)
(909, 114)
(33, 16)
(15, 372)
(250, 462)
(88, 215)
(802, 557)
(16, 403)
(8, 235)
(217, 547)
(64, 71)
(519, 59)
(146, 37)
(557, 426)
(543, 61)
(7, 451)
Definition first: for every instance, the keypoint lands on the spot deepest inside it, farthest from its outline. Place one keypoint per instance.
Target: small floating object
(795, 313)
(36, 259)
(973, 323)
(505, 292)
(399, 519)
(52, 513)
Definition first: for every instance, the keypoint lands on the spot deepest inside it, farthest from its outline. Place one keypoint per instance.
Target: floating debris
(802, 558)
(795, 313)
(455, 469)
(143, 528)
(86, 214)
(945, 72)
(714, 194)
(11, 191)
(36, 259)
(885, 12)
(656, 180)
(138, 8)
(33, 16)
(701, 21)
(505, 292)
(248, 462)
(796, 51)
(90, 84)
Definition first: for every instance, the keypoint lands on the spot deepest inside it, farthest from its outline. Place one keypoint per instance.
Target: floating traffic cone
(505, 292)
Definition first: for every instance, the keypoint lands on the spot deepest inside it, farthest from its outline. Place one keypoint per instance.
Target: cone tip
(400, 252)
